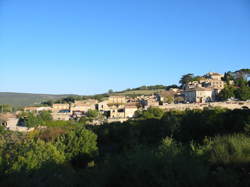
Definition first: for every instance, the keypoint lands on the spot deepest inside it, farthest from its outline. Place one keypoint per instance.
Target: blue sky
(90, 46)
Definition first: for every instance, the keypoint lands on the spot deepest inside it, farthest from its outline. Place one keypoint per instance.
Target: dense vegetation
(209, 147)
(153, 87)
(239, 90)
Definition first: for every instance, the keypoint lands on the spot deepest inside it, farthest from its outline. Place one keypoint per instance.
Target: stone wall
(228, 105)
(61, 116)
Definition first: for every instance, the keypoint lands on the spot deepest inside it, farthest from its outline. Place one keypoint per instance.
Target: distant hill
(25, 99)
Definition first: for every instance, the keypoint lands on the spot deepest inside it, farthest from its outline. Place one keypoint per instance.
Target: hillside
(24, 99)
(138, 92)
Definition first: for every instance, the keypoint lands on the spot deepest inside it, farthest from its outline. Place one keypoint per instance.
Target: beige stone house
(116, 100)
(150, 101)
(205, 89)
(192, 84)
(103, 106)
(213, 83)
(130, 110)
(61, 116)
(214, 76)
(84, 105)
(116, 112)
(199, 95)
(60, 106)
(117, 107)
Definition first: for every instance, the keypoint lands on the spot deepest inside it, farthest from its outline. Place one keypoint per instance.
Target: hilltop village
(203, 91)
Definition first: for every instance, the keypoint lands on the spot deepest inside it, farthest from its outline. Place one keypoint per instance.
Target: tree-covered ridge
(209, 147)
(240, 89)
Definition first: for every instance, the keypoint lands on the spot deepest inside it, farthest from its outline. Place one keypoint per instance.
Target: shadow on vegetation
(176, 149)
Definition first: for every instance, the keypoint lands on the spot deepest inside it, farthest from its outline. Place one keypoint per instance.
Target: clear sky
(90, 46)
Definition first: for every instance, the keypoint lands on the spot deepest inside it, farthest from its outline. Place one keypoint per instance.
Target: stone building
(150, 101)
(213, 83)
(116, 100)
(84, 105)
(60, 107)
(205, 89)
(116, 112)
(103, 106)
(214, 76)
(199, 95)
(115, 108)
(192, 84)
(130, 110)
(61, 116)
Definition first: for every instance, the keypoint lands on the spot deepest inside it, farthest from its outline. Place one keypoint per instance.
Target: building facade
(199, 95)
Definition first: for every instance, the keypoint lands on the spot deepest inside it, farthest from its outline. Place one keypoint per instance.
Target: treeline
(240, 89)
(153, 87)
(45, 119)
(209, 147)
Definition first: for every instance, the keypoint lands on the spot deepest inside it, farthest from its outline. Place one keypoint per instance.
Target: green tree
(45, 115)
(78, 142)
(228, 77)
(30, 119)
(84, 120)
(186, 78)
(150, 113)
(243, 93)
(110, 91)
(30, 155)
(92, 114)
(230, 150)
(226, 93)
(47, 103)
(169, 99)
(172, 121)
(241, 82)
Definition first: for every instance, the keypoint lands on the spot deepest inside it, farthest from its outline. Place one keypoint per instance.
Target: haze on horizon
(87, 47)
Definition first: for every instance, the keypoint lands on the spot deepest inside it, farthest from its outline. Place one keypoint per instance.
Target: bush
(61, 123)
(167, 166)
(77, 142)
(50, 133)
(230, 150)
(151, 113)
(30, 155)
